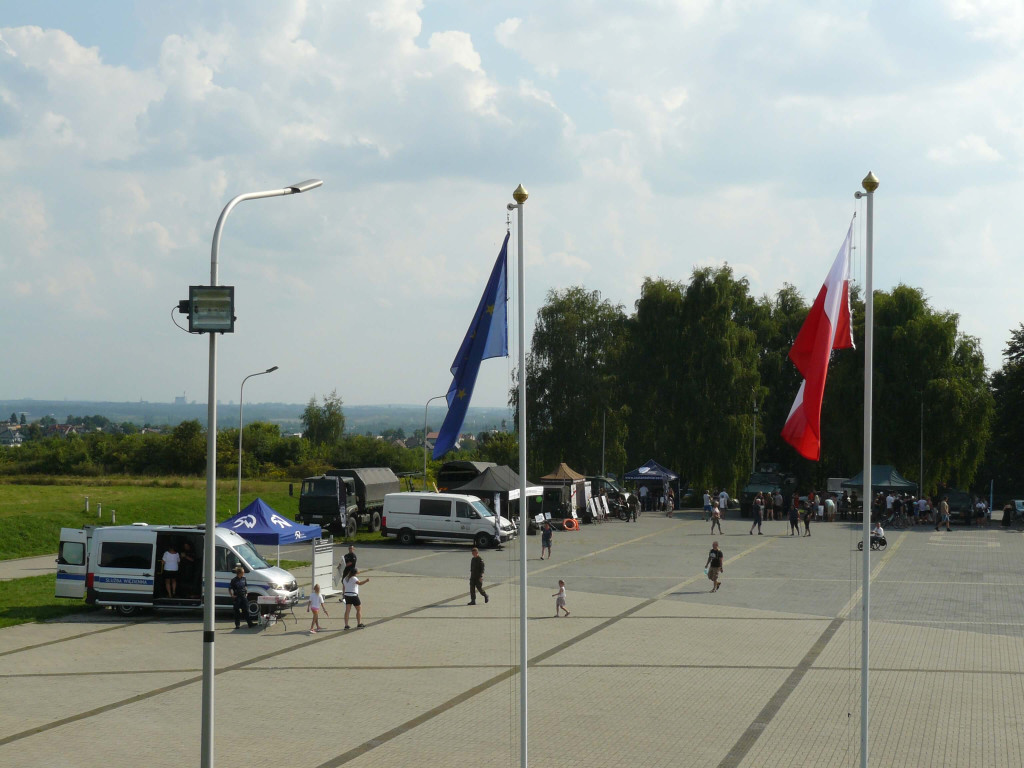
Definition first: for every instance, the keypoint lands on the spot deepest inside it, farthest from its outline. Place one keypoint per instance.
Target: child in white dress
(560, 599)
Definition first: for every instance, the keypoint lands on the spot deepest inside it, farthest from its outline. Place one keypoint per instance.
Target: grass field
(31, 599)
(33, 511)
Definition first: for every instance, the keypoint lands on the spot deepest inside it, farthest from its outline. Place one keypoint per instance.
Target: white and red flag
(828, 326)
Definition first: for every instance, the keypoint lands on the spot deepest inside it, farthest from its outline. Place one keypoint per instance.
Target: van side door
(72, 563)
(437, 519)
(126, 568)
(465, 520)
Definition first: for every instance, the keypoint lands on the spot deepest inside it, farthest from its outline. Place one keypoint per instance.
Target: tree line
(697, 377)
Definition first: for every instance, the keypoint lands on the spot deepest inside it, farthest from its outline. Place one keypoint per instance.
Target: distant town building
(11, 438)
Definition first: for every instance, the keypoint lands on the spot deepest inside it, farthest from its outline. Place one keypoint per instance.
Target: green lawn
(32, 511)
(31, 599)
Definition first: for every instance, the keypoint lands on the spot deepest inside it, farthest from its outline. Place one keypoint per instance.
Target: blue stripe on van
(70, 577)
(138, 580)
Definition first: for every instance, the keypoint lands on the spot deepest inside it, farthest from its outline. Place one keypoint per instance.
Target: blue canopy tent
(654, 476)
(260, 524)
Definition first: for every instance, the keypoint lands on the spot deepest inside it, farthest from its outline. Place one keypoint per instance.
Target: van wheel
(128, 610)
(351, 527)
(253, 610)
(407, 537)
(484, 540)
(374, 525)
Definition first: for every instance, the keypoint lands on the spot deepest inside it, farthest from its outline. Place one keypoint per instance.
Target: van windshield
(482, 509)
(251, 556)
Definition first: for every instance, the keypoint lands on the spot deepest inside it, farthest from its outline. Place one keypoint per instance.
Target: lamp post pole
(241, 400)
(425, 407)
(209, 549)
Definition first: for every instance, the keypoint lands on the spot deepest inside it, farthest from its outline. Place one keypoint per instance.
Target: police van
(122, 566)
(443, 517)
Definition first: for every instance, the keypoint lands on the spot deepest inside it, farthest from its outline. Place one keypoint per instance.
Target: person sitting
(877, 534)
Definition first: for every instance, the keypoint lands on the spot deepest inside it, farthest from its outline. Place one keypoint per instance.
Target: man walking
(476, 578)
(707, 505)
(715, 565)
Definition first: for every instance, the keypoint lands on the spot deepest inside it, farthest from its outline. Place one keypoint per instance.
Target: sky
(652, 136)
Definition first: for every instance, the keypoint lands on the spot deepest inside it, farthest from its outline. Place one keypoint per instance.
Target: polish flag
(827, 327)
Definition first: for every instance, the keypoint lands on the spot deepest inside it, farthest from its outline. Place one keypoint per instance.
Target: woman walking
(716, 517)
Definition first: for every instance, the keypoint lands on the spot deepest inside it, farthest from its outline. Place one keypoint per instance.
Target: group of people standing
(652, 499)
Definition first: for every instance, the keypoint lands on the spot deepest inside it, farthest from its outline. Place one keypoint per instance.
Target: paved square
(650, 669)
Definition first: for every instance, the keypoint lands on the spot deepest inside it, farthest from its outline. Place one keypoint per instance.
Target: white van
(444, 517)
(122, 566)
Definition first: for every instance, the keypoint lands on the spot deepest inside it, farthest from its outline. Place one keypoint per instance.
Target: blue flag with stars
(487, 337)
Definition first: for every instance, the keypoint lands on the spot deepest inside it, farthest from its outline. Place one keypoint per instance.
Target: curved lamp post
(439, 397)
(209, 550)
(240, 402)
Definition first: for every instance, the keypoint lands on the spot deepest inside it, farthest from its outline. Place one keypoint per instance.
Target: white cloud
(968, 150)
(1000, 20)
(653, 137)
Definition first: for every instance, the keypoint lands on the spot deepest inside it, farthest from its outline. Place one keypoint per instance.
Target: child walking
(560, 599)
(316, 604)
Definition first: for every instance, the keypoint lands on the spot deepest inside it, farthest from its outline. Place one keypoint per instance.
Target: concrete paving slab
(650, 668)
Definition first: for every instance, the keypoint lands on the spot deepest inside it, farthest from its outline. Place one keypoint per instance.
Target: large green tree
(1007, 459)
(324, 423)
(573, 383)
(926, 374)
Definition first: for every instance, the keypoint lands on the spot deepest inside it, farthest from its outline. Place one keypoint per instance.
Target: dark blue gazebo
(260, 524)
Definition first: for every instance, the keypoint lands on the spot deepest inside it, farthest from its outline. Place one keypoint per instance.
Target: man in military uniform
(239, 591)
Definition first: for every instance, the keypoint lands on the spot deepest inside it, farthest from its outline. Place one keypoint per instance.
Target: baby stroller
(877, 543)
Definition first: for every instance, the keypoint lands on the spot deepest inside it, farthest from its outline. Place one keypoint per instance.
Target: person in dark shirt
(545, 540)
(350, 562)
(715, 565)
(476, 577)
(239, 591)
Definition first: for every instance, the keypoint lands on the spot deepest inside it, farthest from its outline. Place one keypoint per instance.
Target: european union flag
(487, 337)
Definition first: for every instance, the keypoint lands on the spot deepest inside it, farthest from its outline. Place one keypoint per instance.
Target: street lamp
(240, 401)
(209, 550)
(425, 436)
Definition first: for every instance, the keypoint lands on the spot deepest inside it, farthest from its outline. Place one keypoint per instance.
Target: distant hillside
(358, 418)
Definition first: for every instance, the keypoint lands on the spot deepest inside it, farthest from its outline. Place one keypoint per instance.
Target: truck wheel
(253, 610)
(351, 528)
(484, 540)
(128, 610)
(407, 537)
(374, 524)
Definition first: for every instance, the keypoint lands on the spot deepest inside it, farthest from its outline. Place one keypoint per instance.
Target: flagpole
(520, 195)
(870, 184)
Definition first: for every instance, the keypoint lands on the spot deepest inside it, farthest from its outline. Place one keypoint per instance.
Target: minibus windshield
(251, 556)
(482, 509)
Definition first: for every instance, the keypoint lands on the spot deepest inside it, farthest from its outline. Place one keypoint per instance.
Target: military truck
(768, 478)
(341, 500)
